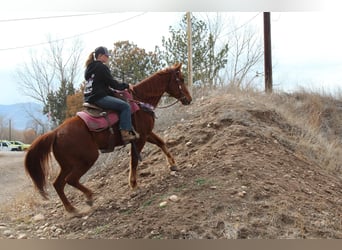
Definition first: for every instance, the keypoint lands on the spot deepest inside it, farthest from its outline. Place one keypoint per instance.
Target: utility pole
(10, 129)
(267, 53)
(189, 33)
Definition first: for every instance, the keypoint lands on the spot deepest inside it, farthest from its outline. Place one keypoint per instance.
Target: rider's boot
(128, 136)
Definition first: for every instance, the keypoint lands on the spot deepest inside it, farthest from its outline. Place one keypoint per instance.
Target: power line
(49, 17)
(241, 26)
(73, 36)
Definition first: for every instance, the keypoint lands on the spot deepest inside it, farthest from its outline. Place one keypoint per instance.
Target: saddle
(98, 119)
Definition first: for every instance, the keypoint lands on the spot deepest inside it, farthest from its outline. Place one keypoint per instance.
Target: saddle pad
(98, 123)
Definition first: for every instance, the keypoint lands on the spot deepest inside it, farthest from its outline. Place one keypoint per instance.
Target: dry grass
(316, 116)
(319, 117)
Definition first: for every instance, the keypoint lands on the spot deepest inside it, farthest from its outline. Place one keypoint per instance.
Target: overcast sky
(306, 44)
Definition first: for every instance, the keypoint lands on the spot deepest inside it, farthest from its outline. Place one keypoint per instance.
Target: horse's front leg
(132, 178)
(156, 140)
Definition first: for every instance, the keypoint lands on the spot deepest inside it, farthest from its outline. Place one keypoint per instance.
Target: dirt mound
(241, 175)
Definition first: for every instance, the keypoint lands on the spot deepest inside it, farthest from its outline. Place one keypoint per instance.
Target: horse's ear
(178, 66)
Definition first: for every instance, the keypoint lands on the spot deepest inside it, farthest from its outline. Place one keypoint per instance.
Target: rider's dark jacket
(99, 81)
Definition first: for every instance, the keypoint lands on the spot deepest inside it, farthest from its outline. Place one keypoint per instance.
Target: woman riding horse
(76, 148)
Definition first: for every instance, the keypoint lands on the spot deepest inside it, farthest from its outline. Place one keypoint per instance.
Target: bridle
(178, 81)
(182, 97)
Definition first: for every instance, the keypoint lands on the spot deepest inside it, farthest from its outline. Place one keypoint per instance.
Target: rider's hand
(130, 88)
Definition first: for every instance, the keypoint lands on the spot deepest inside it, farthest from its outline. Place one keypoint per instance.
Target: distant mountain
(21, 114)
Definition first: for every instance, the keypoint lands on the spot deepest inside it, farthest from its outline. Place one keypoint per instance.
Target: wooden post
(267, 53)
(10, 129)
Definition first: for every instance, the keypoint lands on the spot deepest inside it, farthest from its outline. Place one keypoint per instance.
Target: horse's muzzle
(185, 101)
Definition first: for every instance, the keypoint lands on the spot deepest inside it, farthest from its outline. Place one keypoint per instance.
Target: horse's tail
(37, 159)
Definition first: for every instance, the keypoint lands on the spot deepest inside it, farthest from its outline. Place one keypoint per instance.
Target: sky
(305, 41)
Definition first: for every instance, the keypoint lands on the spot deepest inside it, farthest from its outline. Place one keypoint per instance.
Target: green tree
(207, 58)
(131, 64)
(57, 103)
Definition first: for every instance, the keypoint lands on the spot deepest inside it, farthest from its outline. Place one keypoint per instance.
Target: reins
(163, 107)
(168, 106)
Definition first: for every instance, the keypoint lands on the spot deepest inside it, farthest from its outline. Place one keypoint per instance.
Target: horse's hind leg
(59, 185)
(72, 171)
(73, 179)
(79, 167)
(156, 140)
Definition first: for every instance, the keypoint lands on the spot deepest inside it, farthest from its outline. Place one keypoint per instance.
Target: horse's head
(176, 86)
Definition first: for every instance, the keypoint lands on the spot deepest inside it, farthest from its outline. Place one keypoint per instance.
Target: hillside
(250, 166)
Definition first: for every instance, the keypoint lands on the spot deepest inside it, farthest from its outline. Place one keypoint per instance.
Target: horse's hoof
(78, 213)
(44, 195)
(90, 202)
(173, 168)
(133, 185)
(73, 213)
(70, 209)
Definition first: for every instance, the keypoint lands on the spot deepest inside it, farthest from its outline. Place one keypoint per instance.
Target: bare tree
(65, 61)
(239, 49)
(34, 121)
(48, 69)
(245, 47)
(36, 78)
(245, 53)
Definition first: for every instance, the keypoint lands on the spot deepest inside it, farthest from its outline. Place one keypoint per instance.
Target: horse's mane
(150, 86)
(160, 72)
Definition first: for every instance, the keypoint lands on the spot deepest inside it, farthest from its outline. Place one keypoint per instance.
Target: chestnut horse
(76, 148)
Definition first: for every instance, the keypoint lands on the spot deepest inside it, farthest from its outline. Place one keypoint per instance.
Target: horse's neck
(151, 90)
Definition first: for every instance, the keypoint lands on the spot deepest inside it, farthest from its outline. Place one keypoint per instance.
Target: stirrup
(128, 136)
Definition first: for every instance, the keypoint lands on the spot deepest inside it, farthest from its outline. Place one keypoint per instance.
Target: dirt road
(12, 174)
